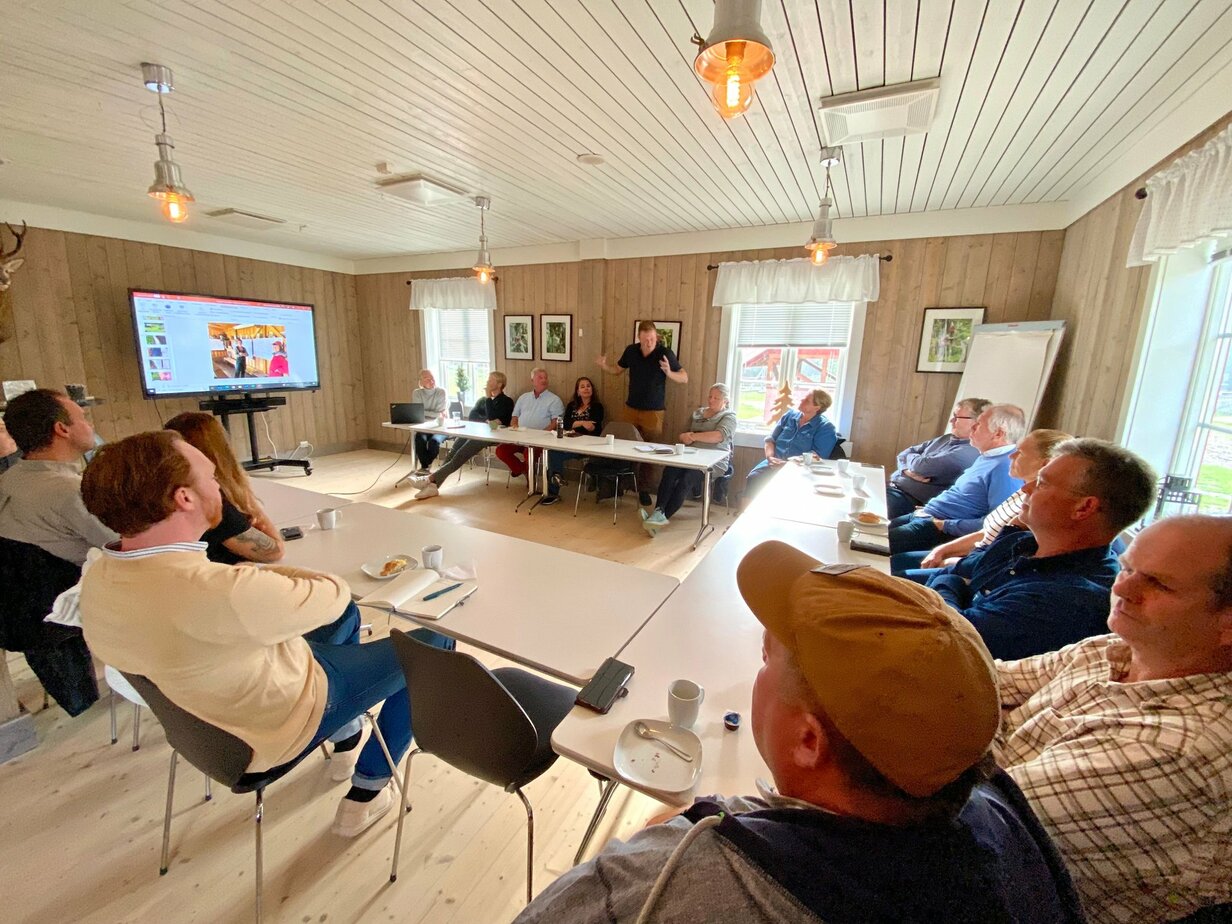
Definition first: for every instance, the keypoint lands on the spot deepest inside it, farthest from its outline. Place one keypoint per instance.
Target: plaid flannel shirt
(1132, 780)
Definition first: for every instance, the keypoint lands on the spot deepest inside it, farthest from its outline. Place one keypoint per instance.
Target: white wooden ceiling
(284, 107)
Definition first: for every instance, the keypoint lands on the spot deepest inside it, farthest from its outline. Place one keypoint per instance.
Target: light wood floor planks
(81, 823)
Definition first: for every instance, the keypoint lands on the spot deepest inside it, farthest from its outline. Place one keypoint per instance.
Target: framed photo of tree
(519, 336)
(946, 338)
(669, 334)
(556, 337)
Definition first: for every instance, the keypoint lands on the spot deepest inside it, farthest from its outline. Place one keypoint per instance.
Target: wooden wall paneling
(94, 366)
(1044, 278)
(330, 404)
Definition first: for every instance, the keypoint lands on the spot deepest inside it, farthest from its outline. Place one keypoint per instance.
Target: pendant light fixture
(483, 260)
(734, 55)
(822, 240)
(168, 186)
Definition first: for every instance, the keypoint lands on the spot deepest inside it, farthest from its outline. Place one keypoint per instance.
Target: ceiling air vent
(243, 219)
(883, 112)
(419, 189)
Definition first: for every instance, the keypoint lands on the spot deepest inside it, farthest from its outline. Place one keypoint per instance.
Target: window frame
(430, 337)
(843, 411)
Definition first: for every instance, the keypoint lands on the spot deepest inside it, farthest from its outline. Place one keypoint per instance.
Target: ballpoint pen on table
(442, 591)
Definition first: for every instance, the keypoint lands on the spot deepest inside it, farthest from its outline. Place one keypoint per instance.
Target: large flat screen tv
(218, 346)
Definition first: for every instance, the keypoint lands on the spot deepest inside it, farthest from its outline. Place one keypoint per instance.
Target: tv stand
(248, 405)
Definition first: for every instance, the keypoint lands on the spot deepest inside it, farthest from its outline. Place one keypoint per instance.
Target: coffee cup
(680, 449)
(846, 529)
(433, 557)
(327, 518)
(857, 504)
(494, 424)
(857, 482)
(843, 465)
(611, 439)
(684, 701)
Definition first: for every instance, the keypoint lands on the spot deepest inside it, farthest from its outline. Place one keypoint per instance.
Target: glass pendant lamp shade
(821, 242)
(734, 55)
(483, 260)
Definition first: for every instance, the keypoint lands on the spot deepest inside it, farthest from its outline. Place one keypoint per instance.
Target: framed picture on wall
(669, 334)
(946, 338)
(519, 336)
(556, 337)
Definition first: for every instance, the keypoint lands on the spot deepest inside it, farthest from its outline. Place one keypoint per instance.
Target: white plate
(828, 490)
(373, 568)
(652, 764)
(879, 527)
(820, 468)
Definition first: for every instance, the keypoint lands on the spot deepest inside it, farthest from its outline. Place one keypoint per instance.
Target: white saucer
(373, 568)
(652, 764)
(828, 490)
(881, 526)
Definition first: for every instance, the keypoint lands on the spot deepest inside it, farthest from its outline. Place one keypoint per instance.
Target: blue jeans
(359, 677)
(427, 447)
(910, 533)
(556, 465)
(899, 502)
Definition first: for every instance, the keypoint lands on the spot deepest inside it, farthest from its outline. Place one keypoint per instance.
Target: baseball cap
(905, 678)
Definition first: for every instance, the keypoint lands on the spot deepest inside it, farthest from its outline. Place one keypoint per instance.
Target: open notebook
(405, 594)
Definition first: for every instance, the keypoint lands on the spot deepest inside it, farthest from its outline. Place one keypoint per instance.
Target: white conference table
(559, 612)
(285, 505)
(694, 458)
(790, 495)
(704, 633)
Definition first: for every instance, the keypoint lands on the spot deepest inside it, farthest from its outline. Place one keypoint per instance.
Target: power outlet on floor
(304, 444)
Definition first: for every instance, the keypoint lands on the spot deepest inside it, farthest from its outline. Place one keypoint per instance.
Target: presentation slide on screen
(194, 344)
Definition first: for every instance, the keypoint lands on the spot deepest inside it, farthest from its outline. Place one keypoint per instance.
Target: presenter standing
(650, 365)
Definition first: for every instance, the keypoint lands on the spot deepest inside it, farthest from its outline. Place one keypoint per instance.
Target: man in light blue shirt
(961, 508)
(536, 409)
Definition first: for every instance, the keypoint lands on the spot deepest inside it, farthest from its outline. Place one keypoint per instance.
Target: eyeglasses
(960, 417)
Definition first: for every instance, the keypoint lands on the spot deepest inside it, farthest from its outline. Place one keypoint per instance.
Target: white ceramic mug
(857, 482)
(433, 557)
(327, 518)
(846, 529)
(857, 504)
(684, 700)
(843, 465)
(680, 449)
(611, 439)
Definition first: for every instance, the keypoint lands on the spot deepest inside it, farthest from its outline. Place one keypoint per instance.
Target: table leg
(705, 529)
(535, 463)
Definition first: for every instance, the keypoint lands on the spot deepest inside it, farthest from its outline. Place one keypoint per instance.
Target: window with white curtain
(802, 346)
(458, 350)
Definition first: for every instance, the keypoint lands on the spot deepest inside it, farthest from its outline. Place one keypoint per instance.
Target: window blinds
(464, 334)
(794, 325)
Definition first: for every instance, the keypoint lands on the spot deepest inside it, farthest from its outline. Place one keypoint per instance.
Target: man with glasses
(926, 469)
(1039, 589)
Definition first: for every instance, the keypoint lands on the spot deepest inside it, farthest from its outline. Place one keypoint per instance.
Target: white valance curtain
(799, 282)
(455, 292)
(1188, 202)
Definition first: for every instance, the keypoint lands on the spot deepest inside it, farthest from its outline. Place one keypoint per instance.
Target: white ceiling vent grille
(243, 219)
(419, 189)
(883, 112)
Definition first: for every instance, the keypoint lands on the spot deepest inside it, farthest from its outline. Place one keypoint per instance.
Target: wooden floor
(81, 823)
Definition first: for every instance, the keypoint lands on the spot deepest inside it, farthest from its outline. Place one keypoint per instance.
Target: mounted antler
(9, 261)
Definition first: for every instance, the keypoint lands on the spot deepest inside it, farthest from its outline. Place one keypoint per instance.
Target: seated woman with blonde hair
(245, 533)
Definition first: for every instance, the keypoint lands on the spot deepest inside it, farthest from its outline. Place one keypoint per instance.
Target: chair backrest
(622, 430)
(218, 754)
(838, 452)
(32, 579)
(463, 714)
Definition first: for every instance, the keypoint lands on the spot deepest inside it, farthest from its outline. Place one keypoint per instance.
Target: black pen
(442, 591)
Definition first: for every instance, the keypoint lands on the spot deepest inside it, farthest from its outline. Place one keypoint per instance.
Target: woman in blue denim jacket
(798, 432)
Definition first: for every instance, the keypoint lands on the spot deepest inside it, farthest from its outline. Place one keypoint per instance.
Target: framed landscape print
(519, 336)
(669, 334)
(556, 337)
(946, 337)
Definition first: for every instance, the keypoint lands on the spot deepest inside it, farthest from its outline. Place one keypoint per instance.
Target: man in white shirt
(537, 409)
(1123, 743)
(40, 495)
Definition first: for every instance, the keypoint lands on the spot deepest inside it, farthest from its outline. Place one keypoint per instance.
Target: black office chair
(221, 756)
(838, 452)
(599, 468)
(495, 725)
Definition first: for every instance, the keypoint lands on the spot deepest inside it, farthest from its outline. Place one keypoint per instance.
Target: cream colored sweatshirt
(221, 642)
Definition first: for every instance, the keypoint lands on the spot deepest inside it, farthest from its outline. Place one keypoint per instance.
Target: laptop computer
(406, 412)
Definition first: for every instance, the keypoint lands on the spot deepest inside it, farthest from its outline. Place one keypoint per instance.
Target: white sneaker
(342, 764)
(428, 490)
(418, 480)
(354, 818)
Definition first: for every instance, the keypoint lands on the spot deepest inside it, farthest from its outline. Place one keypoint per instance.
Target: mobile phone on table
(291, 532)
(606, 686)
(866, 545)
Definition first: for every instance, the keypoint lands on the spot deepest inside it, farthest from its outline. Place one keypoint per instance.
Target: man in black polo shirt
(650, 365)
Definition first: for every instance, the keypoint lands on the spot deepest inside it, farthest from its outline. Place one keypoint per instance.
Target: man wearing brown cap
(874, 710)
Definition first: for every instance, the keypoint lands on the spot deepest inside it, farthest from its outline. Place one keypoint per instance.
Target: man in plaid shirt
(1123, 743)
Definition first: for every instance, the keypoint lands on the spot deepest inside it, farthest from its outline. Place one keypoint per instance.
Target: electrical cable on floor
(401, 453)
(265, 421)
